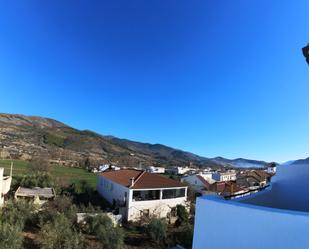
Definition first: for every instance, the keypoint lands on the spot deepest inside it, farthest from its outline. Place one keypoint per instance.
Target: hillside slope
(24, 137)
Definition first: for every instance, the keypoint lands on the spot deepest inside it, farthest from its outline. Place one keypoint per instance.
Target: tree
(17, 213)
(156, 230)
(10, 236)
(60, 234)
(182, 214)
(110, 236)
(39, 164)
(186, 235)
(38, 179)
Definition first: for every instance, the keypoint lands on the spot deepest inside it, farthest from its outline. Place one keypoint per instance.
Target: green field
(65, 174)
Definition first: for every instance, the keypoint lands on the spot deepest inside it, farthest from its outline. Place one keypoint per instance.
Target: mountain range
(26, 137)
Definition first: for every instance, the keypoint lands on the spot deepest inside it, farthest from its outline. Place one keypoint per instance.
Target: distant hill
(240, 163)
(300, 161)
(24, 137)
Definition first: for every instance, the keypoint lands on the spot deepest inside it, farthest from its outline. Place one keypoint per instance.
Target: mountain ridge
(25, 137)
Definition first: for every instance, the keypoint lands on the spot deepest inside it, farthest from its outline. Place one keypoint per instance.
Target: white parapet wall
(160, 208)
(222, 224)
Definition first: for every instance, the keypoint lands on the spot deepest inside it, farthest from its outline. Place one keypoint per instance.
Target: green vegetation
(10, 236)
(53, 226)
(52, 139)
(110, 236)
(182, 214)
(60, 234)
(65, 175)
(157, 230)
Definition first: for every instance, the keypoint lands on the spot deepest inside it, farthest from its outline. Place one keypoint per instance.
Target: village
(157, 203)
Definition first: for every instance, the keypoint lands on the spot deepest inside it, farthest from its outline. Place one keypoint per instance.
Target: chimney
(132, 182)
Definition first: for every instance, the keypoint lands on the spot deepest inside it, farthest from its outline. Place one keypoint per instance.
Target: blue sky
(217, 78)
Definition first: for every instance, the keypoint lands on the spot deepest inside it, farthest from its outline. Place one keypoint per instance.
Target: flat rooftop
(32, 192)
(289, 190)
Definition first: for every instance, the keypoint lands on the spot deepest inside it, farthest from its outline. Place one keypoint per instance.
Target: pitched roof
(202, 179)
(258, 175)
(227, 187)
(142, 179)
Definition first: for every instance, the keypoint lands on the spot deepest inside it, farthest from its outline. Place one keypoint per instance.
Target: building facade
(157, 170)
(200, 182)
(224, 176)
(5, 184)
(140, 194)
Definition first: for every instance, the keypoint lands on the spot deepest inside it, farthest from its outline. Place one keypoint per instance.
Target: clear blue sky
(217, 78)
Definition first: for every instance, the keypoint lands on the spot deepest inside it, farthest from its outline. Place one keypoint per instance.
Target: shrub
(156, 230)
(110, 236)
(182, 214)
(17, 212)
(10, 236)
(36, 180)
(61, 204)
(186, 235)
(60, 234)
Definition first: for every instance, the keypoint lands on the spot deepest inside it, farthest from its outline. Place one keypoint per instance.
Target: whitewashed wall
(159, 208)
(110, 190)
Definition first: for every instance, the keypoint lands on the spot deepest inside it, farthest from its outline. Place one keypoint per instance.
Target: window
(146, 195)
(173, 193)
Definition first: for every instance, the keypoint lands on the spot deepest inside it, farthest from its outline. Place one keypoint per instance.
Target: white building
(157, 170)
(272, 169)
(139, 193)
(199, 182)
(180, 170)
(224, 176)
(5, 184)
(277, 217)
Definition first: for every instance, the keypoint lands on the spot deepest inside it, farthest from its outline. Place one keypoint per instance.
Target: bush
(186, 235)
(18, 212)
(10, 236)
(41, 180)
(182, 214)
(156, 230)
(60, 234)
(61, 204)
(102, 227)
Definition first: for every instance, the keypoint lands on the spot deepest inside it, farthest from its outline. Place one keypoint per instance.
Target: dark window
(173, 193)
(146, 195)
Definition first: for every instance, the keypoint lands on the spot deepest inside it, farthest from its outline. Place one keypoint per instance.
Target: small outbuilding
(37, 195)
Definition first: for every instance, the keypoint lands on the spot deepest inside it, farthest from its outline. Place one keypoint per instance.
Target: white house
(157, 170)
(224, 176)
(200, 181)
(272, 169)
(180, 170)
(139, 193)
(5, 184)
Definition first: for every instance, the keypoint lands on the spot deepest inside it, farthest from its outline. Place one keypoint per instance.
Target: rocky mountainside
(24, 137)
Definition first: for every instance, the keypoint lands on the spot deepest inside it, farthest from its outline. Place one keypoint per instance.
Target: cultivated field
(64, 174)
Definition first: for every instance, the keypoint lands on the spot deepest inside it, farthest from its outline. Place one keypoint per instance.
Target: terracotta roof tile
(143, 179)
